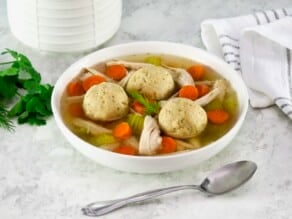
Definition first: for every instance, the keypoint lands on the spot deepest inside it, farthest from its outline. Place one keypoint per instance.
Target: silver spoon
(218, 182)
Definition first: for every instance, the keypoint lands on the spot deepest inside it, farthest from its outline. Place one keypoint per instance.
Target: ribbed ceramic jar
(64, 25)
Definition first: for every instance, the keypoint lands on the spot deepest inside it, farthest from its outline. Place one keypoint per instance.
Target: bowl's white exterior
(155, 164)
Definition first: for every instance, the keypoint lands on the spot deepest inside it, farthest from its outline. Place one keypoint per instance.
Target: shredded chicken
(133, 141)
(222, 85)
(195, 142)
(110, 147)
(204, 100)
(204, 82)
(183, 145)
(90, 127)
(125, 80)
(180, 76)
(150, 139)
(219, 89)
(74, 99)
(96, 72)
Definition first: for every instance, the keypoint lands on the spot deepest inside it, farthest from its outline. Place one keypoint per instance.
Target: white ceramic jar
(64, 25)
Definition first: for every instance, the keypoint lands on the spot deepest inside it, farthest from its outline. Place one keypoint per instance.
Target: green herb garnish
(20, 82)
(150, 107)
(5, 122)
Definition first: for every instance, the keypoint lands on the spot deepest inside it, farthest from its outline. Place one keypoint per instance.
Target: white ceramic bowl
(154, 164)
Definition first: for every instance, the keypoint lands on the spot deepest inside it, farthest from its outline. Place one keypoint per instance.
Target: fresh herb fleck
(5, 121)
(150, 107)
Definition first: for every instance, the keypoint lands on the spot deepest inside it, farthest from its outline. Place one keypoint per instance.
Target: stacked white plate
(64, 25)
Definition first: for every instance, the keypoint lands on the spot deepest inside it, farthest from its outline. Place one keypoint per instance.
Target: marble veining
(43, 177)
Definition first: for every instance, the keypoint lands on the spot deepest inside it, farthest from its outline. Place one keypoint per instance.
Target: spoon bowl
(228, 177)
(220, 181)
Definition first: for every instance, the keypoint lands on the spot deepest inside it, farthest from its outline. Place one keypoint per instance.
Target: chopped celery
(230, 104)
(81, 132)
(154, 60)
(215, 104)
(136, 122)
(102, 139)
(195, 142)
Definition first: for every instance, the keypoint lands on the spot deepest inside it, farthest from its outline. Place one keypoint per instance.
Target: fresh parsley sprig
(21, 81)
(150, 107)
(5, 122)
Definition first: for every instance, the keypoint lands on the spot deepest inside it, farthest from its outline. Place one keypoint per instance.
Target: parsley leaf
(17, 109)
(23, 65)
(35, 106)
(9, 72)
(8, 87)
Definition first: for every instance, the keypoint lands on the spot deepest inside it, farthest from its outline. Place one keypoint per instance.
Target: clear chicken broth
(211, 133)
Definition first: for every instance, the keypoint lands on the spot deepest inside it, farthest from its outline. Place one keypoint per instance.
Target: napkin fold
(258, 46)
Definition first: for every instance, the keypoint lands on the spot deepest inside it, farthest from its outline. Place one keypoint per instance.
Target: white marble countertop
(43, 177)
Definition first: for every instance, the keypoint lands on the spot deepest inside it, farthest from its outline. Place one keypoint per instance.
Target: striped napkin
(258, 46)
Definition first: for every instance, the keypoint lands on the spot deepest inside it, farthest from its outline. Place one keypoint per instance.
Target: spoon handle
(104, 207)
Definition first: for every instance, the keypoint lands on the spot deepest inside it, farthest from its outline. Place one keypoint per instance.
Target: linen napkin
(258, 46)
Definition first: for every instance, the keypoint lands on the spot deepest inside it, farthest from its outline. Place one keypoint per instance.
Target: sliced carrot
(203, 89)
(75, 109)
(122, 131)
(92, 80)
(75, 88)
(168, 145)
(125, 149)
(189, 91)
(217, 116)
(138, 107)
(197, 72)
(116, 72)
